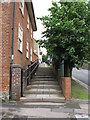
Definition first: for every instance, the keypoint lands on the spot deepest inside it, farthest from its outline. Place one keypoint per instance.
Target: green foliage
(44, 58)
(67, 32)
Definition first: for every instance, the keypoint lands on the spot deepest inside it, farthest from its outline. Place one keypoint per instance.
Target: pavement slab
(47, 110)
(83, 106)
(72, 106)
(81, 111)
(82, 116)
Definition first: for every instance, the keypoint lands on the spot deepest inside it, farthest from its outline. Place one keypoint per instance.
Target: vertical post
(62, 69)
(65, 83)
(29, 74)
(21, 82)
(11, 67)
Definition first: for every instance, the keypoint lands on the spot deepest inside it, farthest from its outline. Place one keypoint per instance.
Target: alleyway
(44, 87)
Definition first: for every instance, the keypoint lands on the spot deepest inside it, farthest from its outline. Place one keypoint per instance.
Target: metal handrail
(30, 66)
(30, 70)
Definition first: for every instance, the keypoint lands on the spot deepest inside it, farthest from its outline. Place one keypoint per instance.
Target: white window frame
(21, 6)
(20, 38)
(27, 49)
(31, 53)
(31, 31)
(27, 21)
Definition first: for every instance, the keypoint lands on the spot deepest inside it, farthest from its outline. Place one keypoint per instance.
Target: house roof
(31, 14)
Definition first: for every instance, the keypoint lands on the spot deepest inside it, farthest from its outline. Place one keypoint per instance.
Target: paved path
(48, 110)
(82, 75)
(43, 65)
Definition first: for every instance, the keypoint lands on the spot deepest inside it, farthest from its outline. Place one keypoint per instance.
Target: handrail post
(27, 77)
(29, 74)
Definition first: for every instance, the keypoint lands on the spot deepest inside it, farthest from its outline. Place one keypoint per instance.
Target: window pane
(19, 44)
(31, 32)
(31, 51)
(20, 38)
(27, 45)
(22, 6)
(28, 21)
(27, 54)
(27, 49)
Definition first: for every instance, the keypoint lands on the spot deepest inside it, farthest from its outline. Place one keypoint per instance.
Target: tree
(44, 58)
(66, 33)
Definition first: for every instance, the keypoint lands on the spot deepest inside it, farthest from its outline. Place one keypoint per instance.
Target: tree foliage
(67, 32)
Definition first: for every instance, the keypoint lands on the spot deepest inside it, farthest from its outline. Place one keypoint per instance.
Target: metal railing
(29, 72)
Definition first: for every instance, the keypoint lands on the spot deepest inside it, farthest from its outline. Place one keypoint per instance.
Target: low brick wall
(66, 87)
(16, 82)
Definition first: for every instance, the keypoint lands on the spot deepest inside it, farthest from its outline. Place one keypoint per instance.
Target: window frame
(27, 21)
(31, 32)
(21, 6)
(27, 49)
(31, 53)
(20, 38)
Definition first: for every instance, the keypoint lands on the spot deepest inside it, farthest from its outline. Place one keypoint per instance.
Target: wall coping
(17, 66)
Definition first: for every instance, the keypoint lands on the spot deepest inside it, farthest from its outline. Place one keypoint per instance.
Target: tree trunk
(67, 69)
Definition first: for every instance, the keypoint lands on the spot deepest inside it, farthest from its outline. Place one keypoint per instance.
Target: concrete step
(44, 82)
(44, 76)
(42, 96)
(44, 104)
(41, 91)
(43, 86)
(52, 100)
(43, 79)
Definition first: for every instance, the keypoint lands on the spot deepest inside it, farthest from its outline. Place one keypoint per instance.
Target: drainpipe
(10, 91)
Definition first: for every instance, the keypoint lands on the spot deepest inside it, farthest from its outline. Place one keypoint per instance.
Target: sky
(40, 9)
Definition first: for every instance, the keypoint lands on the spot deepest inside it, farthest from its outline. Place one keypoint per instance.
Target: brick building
(18, 24)
(36, 49)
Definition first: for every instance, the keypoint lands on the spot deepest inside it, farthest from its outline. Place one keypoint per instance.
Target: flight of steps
(44, 87)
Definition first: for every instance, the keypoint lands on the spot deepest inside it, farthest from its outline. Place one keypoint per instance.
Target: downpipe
(11, 66)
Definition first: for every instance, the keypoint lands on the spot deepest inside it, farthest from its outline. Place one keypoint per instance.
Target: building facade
(40, 55)
(18, 25)
(36, 49)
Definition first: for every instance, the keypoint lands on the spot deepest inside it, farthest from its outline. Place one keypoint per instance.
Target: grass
(78, 92)
(6, 102)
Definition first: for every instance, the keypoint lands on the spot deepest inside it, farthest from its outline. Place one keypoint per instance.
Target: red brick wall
(35, 57)
(7, 15)
(0, 47)
(7, 29)
(66, 87)
(16, 82)
(20, 58)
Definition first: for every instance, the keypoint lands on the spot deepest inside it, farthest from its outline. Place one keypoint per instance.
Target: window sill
(20, 51)
(27, 57)
(21, 12)
(28, 29)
